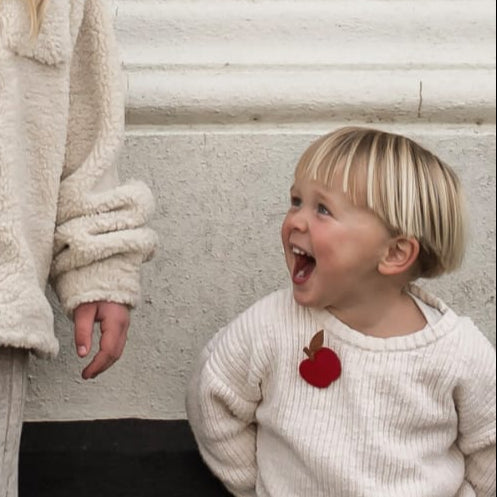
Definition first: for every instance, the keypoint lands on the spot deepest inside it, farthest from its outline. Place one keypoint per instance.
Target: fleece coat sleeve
(101, 237)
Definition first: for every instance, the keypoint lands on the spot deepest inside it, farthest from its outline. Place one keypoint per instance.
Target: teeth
(298, 251)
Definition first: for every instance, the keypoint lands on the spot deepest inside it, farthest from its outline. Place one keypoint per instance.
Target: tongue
(303, 268)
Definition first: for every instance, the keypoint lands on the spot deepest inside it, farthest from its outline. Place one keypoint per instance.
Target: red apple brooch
(323, 366)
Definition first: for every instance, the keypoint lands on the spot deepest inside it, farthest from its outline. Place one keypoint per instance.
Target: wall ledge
(236, 61)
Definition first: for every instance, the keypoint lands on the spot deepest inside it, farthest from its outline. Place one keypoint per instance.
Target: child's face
(332, 247)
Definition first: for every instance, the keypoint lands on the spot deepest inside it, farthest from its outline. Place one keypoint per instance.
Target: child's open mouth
(304, 266)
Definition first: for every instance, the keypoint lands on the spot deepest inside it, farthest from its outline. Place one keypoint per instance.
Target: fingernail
(81, 350)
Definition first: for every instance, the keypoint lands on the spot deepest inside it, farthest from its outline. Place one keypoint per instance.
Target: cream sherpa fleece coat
(63, 215)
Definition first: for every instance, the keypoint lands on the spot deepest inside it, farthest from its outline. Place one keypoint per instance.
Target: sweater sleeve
(101, 236)
(222, 399)
(475, 401)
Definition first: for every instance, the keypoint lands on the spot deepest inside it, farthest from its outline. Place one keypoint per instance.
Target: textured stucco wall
(215, 129)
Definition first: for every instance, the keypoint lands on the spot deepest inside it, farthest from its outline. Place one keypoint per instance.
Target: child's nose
(300, 220)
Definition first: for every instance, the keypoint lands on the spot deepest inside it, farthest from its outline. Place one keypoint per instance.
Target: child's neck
(388, 314)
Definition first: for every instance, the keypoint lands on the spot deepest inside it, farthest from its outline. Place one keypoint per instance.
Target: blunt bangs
(337, 155)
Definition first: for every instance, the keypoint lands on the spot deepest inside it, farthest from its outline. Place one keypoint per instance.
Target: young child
(63, 215)
(396, 396)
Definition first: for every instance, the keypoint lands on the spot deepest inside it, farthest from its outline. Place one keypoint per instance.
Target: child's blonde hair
(411, 190)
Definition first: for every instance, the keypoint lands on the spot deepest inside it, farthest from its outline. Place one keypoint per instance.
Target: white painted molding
(278, 61)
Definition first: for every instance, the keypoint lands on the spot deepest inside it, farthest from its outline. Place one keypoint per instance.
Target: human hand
(114, 322)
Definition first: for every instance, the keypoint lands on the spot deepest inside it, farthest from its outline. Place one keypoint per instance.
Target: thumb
(84, 318)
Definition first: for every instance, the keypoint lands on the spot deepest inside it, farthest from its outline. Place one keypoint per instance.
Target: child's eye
(295, 201)
(323, 210)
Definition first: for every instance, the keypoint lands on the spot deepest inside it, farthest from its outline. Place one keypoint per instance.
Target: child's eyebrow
(328, 199)
(324, 195)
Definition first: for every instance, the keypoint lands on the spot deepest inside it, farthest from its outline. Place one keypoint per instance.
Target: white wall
(223, 96)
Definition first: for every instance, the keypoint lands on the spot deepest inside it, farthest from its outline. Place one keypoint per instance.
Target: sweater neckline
(429, 334)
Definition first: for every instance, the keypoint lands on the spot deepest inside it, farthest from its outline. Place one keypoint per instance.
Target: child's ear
(402, 254)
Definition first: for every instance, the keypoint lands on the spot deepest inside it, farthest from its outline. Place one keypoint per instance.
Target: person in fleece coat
(64, 217)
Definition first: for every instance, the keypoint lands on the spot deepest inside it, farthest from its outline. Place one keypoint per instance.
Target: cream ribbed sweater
(410, 416)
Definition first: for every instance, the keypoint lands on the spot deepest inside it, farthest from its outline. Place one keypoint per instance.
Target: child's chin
(302, 299)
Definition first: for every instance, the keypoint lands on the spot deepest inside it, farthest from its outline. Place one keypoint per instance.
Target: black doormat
(117, 458)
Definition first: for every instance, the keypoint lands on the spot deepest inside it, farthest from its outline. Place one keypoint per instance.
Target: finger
(112, 344)
(99, 364)
(84, 318)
